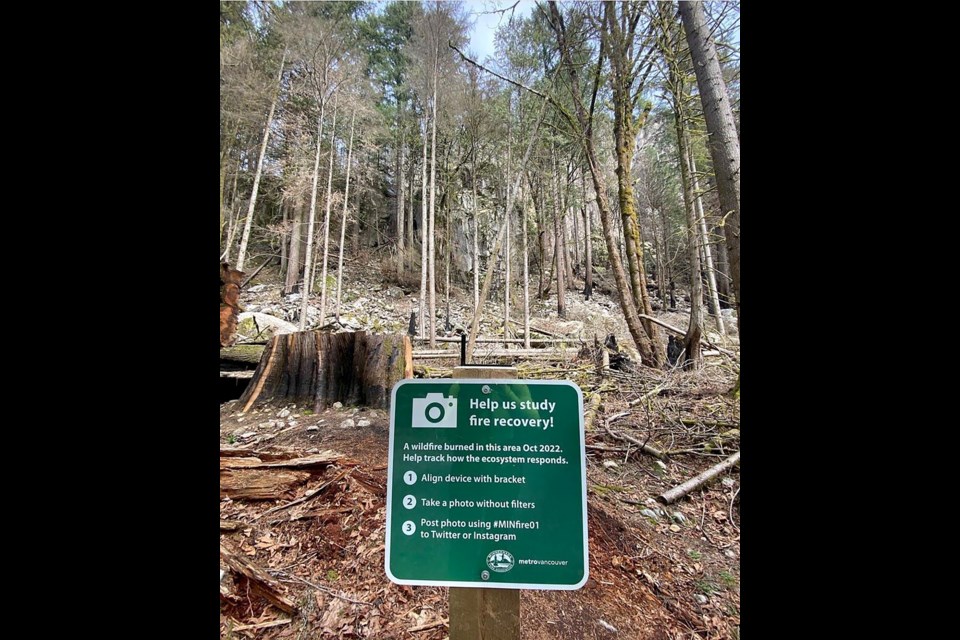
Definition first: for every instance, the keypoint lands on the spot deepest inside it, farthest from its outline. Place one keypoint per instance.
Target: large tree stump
(318, 369)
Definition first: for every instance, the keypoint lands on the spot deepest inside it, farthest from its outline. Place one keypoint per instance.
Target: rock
(679, 517)
(674, 528)
(730, 553)
(338, 405)
(395, 292)
(347, 424)
(647, 513)
(257, 288)
(660, 464)
(363, 422)
(728, 482)
(260, 326)
(610, 464)
(284, 413)
(313, 428)
(248, 434)
(726, 313)
(699, 597)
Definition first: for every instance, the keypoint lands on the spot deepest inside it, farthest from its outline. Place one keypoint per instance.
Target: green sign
(486, 485)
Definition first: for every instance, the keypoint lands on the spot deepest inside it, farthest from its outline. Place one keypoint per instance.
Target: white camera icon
(435, 411)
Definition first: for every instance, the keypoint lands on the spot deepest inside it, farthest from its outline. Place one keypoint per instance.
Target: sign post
(486, 493)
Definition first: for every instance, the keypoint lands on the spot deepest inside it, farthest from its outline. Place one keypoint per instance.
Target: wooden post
(484, 614)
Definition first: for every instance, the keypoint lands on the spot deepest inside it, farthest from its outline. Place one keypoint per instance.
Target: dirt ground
(655, 571)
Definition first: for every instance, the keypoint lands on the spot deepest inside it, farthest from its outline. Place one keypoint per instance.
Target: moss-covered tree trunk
(317, 369)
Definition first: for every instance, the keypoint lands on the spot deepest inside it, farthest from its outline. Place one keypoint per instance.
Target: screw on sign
(487, 485)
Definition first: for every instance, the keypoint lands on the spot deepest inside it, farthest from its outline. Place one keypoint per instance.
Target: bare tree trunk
(283, 240)
(526, 278)
(488, 278)
(724, 141)
(242, 254)
(506, 283)
(693, 359)
(587, 240)
(707, 251)
(558, 252)
(293, 261)
(409, 218)
(234, 215)
(423, 237)
(432, 286)
(326, 217)
(401, 245)
(343, 220)
(311, 220)
(476, 236)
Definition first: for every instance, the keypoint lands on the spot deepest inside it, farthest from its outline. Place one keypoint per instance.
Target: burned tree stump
(318, 369)
(230, 282)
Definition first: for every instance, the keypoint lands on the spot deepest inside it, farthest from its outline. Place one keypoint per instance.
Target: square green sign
(486, 484)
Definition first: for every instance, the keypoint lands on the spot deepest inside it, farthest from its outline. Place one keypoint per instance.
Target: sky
(485, 26)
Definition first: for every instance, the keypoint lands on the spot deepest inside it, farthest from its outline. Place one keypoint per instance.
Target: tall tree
(245, 238)
(721, 126)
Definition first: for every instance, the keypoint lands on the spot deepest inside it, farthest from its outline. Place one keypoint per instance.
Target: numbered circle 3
(408, 527)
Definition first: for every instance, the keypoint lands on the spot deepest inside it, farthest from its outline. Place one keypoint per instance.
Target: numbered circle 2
(409, 502)
(408, 527)
(410, 477)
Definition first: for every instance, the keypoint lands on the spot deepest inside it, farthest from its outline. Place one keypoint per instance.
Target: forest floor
(655, 571)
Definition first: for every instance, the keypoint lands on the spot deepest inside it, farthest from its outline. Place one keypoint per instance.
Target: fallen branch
(254, 274)
(264, 583)
(424, 627)
(231, 525)
(656, 453)
(591, 413)
(324, 589)
(671, 496)
(680, 332)
(263, 625)
(657, 389)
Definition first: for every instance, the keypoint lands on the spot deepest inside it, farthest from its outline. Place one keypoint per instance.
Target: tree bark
(317, 369)
(559, 253)
(242, 254)
(724, 140)
(293, 259)
(476, 235)
(526, 279)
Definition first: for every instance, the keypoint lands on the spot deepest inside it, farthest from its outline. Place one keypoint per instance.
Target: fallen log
(258, 484)
(671, 496)
(231, 525)
(681, 332)
(259, 579)
(318, 460)
(244, 353)
(318, 369)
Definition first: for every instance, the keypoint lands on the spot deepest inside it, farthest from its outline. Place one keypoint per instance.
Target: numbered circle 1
(408, 527)
(410, 477)
(409, 502)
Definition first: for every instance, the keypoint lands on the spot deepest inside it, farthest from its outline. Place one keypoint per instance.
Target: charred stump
(318, 369)
(230, 282)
